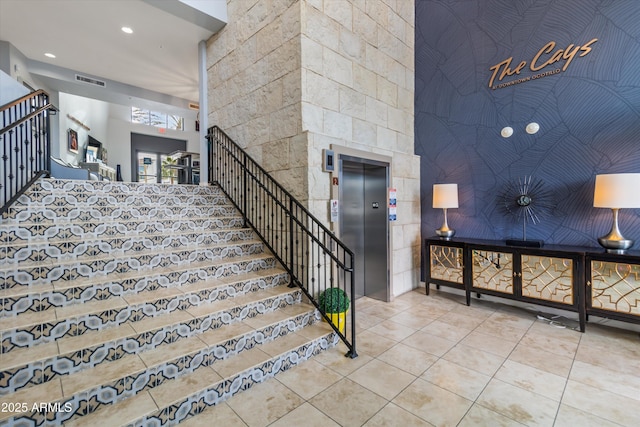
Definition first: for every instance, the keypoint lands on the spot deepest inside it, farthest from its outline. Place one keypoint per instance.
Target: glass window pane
(176, 122)
(158, 119)
(138, 115)
(147, 167)
(169, 170)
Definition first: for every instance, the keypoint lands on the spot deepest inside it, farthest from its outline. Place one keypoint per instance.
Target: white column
(204, 112)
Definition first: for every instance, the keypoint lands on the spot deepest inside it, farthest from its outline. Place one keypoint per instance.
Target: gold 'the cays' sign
(544, 58)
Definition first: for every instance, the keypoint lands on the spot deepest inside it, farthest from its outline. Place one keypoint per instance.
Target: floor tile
(408, 359)
(348, 403)
(601, 403)
(266, 403)
(393, 415)
(392, 330)
(373, 344)
(481, 416)
(504, 331)
(429, 343)
(473, 358)
(309, 378)
(489, 343)
(457, 379)
(543, 360)
(457, 318)
(532, 379)
(413, 318)
(221, 413)
(304, 415)
(433, 404)
(518, 404)
(446, 330)
(382, 378)
(572, 417)
(625, 384)
(545, 340)
(335, 359)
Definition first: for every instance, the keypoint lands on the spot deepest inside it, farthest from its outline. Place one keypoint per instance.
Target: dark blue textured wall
(589, 115)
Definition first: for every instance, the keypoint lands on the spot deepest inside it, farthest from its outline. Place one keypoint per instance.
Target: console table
(101, 169)
(579, 279)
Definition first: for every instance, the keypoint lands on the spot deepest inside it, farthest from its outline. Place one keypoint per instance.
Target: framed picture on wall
(72, 141)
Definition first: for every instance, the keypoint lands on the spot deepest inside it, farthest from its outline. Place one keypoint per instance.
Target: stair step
(190, 394)
(68, 242)
(139, 304)
(16, 232)
(208, 321)
(189, 366)
(32, 328)
(88, 252)
(135, 290)
(125, 267)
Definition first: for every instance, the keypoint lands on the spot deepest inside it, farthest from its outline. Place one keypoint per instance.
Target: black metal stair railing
(24, 145)
(314, 258)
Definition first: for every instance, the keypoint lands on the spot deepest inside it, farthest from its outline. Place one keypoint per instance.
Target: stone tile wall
(288, 79)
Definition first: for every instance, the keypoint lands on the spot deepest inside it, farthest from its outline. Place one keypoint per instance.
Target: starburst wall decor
(528, 201)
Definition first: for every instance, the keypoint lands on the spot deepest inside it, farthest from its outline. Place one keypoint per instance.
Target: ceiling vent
(90, 80)
(194, 106)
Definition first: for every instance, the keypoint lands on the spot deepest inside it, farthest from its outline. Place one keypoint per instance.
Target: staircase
(139, 304)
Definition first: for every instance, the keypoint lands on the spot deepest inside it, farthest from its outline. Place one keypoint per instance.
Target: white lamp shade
(445, 196)
(617, 190)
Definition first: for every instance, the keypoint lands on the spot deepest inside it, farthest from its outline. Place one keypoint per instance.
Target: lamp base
(445, 233)
(615, 242)
(615, 246)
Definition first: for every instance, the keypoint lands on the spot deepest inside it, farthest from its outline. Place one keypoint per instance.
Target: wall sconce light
(445, 196)
(532, 128)
(616, 191)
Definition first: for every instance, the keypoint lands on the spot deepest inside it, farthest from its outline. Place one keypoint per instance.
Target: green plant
(333, 300)
(167, 170)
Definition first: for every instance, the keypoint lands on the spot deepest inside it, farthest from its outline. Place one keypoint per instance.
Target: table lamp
(445, 196)
(616, 191)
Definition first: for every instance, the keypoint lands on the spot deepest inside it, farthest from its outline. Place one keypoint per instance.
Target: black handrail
(313, 257)
(25, 144)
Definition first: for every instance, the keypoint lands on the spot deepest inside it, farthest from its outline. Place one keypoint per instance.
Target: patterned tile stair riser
(21, 296)
(200, 295)
(208, 289)
(28, 338)
(150, 377)
(218, 393)
(97, 275)
(29, 273)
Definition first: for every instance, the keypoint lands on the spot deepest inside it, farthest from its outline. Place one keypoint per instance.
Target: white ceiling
(85, 35)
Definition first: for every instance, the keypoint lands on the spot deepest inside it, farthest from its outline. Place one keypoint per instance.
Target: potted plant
(334, 302)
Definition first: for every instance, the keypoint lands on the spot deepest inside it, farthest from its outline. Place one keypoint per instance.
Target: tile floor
(433, 361)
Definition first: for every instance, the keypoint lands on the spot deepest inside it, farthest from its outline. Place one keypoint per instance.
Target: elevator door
(363, 226)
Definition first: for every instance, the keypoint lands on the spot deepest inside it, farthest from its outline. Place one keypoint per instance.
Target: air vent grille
(90, 80)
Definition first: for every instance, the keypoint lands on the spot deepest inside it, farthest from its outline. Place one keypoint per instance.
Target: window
(157, 119)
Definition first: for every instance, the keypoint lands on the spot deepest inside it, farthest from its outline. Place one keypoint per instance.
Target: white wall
(111, 125)
(91, 113)
(120, 129)
(10, 89)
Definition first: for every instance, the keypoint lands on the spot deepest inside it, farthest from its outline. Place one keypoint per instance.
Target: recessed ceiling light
(127, 30)
(49, 55)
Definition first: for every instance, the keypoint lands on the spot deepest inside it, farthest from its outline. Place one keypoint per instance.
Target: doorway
(156, 168)
(150, 158)
(364, 223)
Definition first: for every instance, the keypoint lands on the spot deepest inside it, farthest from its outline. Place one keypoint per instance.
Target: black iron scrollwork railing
(314, 258)
(24, 145)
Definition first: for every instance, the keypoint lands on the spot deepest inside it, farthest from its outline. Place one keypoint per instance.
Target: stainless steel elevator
(364, 224)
